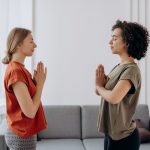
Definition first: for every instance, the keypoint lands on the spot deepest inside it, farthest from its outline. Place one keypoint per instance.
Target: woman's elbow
(114, 100)
(30, 114)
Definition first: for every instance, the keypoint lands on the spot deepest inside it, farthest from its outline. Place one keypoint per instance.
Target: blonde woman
(25, 115)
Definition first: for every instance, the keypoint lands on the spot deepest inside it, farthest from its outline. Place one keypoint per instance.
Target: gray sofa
(74, 128)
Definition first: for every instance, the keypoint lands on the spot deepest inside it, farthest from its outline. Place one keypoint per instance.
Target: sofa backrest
(90, 116)
(62, 122)
(67, 121)
(142, 113)
(89, 122)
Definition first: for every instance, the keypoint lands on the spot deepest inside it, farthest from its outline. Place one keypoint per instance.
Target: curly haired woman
(120, 90)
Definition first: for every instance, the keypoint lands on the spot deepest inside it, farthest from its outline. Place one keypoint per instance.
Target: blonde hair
(15, 37)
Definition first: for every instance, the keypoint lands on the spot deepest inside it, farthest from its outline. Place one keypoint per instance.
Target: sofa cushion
(145, 146)
(94, 144)
(60, 144)
(62, 122)
(89, 122)
(142, 113)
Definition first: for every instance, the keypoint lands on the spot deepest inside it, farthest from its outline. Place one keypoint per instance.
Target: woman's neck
(126, 60)
(18, 59)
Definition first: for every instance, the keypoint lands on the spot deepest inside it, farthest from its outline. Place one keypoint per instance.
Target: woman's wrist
(99, 89)
(39, 87)
(99, 86)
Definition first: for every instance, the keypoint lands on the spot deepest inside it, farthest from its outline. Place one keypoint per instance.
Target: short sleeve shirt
(116, 120)
(17, 121)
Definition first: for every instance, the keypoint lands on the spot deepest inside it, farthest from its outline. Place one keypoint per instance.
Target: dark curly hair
(135, 36)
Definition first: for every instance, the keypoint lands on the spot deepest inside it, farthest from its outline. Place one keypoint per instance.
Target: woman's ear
(127, 45)
(19, 45)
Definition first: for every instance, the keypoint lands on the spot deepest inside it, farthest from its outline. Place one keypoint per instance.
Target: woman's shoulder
(132, 67)
(14, 68)
(15, 64)
(131, 70)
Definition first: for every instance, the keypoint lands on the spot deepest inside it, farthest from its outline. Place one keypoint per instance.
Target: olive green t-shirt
(116, 120)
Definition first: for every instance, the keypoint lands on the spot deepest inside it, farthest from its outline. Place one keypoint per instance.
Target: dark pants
(132, 142)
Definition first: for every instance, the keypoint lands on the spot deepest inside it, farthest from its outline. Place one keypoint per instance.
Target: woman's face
(117, 45)
(28, 45)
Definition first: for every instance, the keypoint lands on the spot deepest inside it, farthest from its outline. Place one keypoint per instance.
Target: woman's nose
(110, 42)
(35, 45)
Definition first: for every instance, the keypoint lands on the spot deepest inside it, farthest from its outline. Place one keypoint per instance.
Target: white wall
(3, 30)
(13, 13)
(140, 13)
(147, 69)
(72, 38)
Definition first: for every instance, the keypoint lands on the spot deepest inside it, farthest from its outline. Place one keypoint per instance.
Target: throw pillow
(144, 133)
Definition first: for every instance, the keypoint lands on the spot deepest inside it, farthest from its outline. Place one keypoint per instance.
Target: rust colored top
(18, 122)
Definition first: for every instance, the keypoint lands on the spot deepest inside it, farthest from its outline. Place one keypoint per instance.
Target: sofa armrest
(3, 145)
(3, 127)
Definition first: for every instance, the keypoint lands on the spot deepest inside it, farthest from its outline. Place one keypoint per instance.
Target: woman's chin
(113, 52)
(29, 55)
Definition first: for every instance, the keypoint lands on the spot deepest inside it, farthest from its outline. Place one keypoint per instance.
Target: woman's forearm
(106, 94)
(37, 99)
